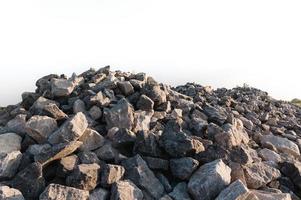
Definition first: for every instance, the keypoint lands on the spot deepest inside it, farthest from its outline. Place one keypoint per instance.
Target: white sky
(217, 42)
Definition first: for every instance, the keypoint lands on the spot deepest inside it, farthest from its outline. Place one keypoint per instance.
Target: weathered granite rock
(84, 177)
(60, 192)
(271, 196)
(281, 144)
(209, 180)
(235, 191)
(259, 174)
(269, 155)
(7, 193)
(111, 174)
(9, 163)
(40, 127)
(142, 121)
(120, 116)
(71, 130)
(126, 190)
(10, 142)
(182, 168)
(138, 172)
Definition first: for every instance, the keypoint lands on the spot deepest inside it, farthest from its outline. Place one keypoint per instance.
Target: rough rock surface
(113, 135)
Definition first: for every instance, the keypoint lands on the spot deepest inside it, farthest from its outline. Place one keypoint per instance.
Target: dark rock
(182, 168)
(111, 174)
(145, 103)
(180, 192)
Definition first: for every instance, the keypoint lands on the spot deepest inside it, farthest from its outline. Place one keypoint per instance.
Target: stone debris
(116, 135)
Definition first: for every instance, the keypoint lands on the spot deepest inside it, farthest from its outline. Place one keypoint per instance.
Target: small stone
(145, 103)
(125, 87)
(79, 106)
(259, 174)
(91, 140)
(235, 191)
(40, 127)
(107, 153)
(270, 196)
(60, 192)
(121, 137)
(84, 177)
(164, 181)
(111, 174)
(156, 94)
(180, 192)
(209, 180)
(17, 125)
(57, 152)
(142, 121)
(7, 193)
(157, 163)
(95, 112)
(10, 142)
(67, 165)
(281, 144)
(182, 168)
(99, 194)
(29, 181)
(120, 116)
(125, 190)
(215, 114)
(138, 172)
(61, 87)
(100, 100)
(71, 130)
(9, 163)
(88, 157)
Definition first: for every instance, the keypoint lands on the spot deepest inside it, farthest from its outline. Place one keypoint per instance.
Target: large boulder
(60, 192)
(209, 180)
(138, 172)
(71, 130)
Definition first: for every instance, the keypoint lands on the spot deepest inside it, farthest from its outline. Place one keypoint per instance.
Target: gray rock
(29, 181)
(215, 114)
(95, 112)
(145, 103)
(270, 196)
(157, 163)
(281, 144)
(156, 94)
(164, 181)
(61, 87)
(99, 194)
(111, 174)
(7, 193)
(180, 192)
(71, 130)
(125, 190)
(40, 127)
(235, 191)
(79, 106)
(91, 140)
(269, 155)
(293, 171)
(57, 152)
(142, 120)
(9, 163)
(10, 142)
(17, 125)
(60, 192)
(120, 116)
(125, 87)
(100, 100)
(259, 174)
(121, 137)
(84, 177)
(182, 168)
(209, 180)
(138, 172)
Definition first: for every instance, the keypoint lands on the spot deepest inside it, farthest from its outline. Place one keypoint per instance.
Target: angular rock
(138, 172)
(17, 125)
(99, 194)
(259, 174)
(91, 140)
(156, 94)
(281, 144)
(61, 87)
(293, 171)
(7, 193)
(125, 190)
(57, 152)
(9, 163)
(88, 157)
(67, 165)
(147, 144)
(95, 112)
(29, 181)
(84, 177)
(269, 155)
(111, 174)
(40, 127)
(107, 153)
(125, 87)
(235, 191)
(10, 142)
(215, 114)
(79, 106)
(120, 116)
(182, 168)
(121, 137)
(145, 103)
(271, 196)
(209, 180)
(43, 106)
(71, 130)
(142, 121)
(180, 192)
(100, 100)
(60, 192)
(157, 163)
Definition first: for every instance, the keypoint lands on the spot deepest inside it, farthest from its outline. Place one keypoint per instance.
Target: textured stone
(125, 190)
(99, 194)
(235, 191)
(209, 180)
(126, 88)
(182, 168)
(293, 171)
(10, 142)
(269, 155)
(145, 103)
(111, 174)
(7, 193)
(271, 196)
(60, 192)
(180, 192)
(91, 140)
(9, 163)
(61, 87)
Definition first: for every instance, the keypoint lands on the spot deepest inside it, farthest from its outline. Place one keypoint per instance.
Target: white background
(217, 42)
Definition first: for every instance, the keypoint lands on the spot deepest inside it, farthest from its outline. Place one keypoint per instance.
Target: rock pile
(122, 136)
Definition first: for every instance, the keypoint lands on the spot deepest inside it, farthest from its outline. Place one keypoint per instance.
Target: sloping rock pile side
(105, 135)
